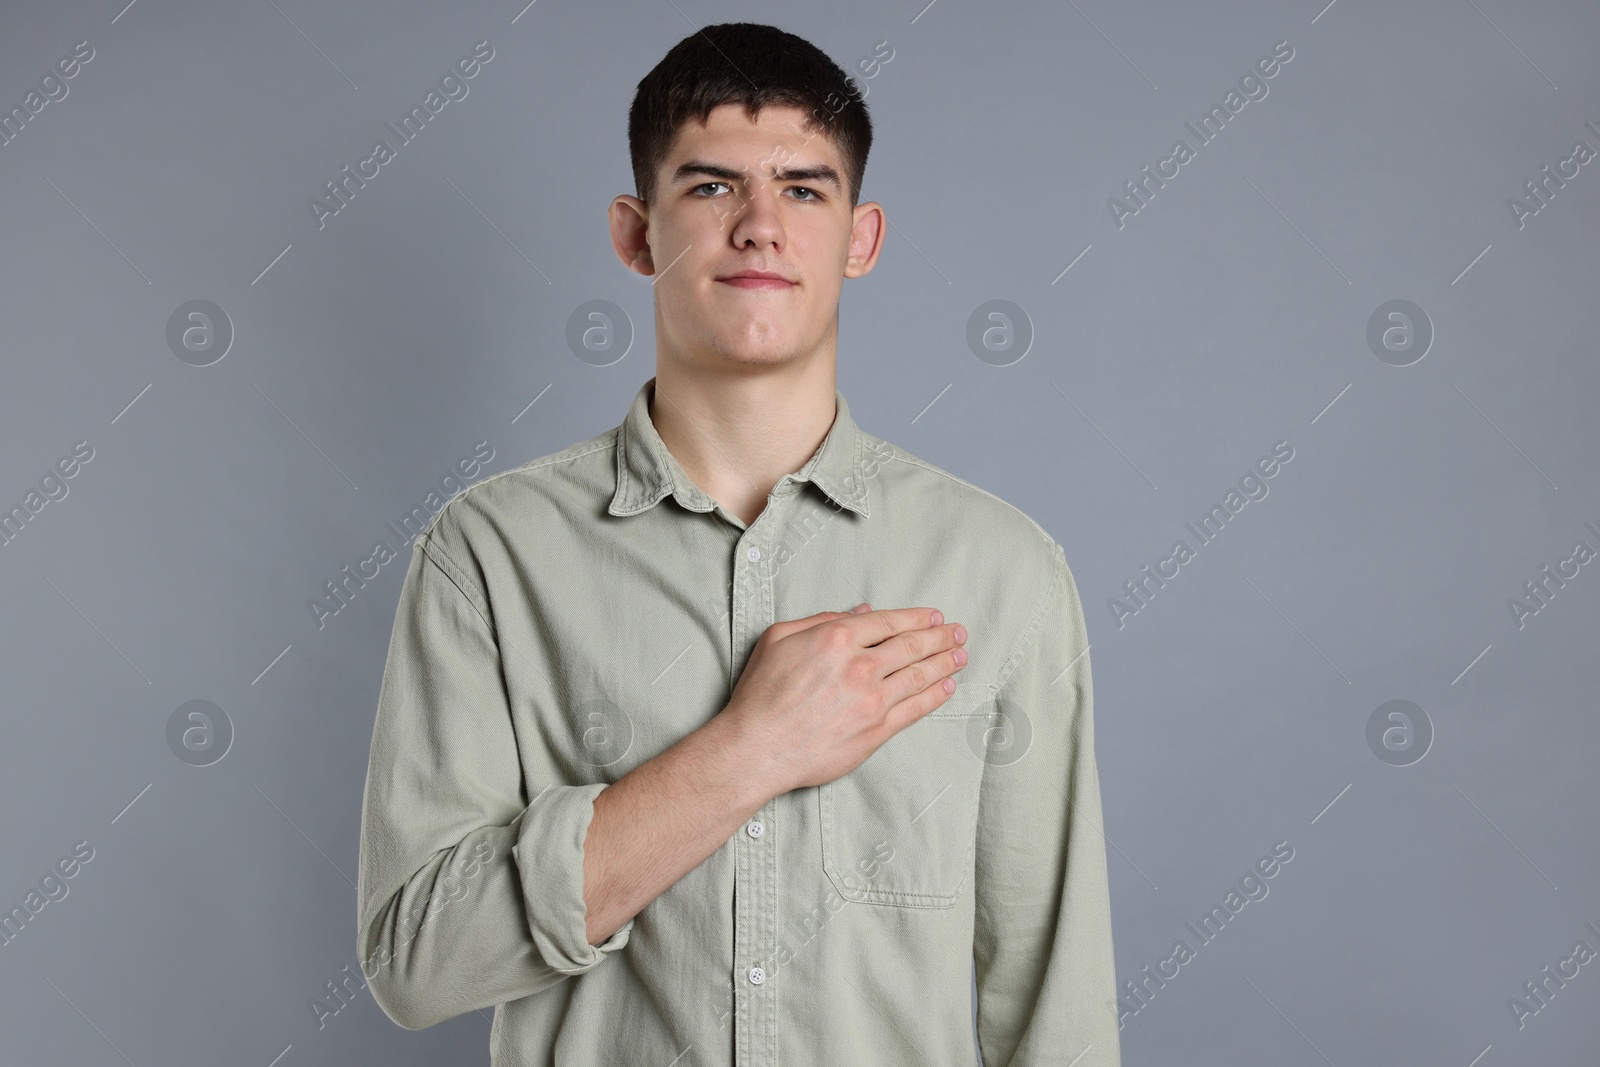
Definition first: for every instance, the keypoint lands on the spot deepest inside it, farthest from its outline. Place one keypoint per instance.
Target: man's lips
(755, 279)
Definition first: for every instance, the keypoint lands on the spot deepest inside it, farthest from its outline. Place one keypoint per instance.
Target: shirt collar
(647, 471)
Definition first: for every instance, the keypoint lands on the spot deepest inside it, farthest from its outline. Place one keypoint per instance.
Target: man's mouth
(757, 279)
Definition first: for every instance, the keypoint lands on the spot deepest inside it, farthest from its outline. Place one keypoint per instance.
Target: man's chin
(760, 340)
(765, 353)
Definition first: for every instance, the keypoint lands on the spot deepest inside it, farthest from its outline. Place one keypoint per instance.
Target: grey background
(1229, 314)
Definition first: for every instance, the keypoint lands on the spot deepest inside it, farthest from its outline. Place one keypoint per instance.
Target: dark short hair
(754, 65)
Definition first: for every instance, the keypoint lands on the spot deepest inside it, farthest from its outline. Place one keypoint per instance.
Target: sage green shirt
(565, 621)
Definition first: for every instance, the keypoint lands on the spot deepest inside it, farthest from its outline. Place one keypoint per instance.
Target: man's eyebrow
(820, 173)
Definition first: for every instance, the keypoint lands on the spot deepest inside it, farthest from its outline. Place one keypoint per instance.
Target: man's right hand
(820, 694)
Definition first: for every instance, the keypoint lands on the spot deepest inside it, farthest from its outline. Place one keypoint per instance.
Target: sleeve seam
(457, 577)
(1057, 584)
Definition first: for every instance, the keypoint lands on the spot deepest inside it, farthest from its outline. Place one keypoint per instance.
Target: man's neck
(737, 435)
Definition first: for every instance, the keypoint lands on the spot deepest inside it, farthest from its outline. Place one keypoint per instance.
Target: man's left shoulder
(963, 512)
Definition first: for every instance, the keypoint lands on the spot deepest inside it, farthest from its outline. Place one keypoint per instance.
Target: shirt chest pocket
(900, 828)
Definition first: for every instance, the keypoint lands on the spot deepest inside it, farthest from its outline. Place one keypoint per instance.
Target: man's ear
(630, 233)
(867, 234)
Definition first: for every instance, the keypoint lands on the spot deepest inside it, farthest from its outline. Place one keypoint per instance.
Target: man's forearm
(657, 822)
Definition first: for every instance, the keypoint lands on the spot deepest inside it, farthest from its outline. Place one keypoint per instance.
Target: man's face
(741, 196)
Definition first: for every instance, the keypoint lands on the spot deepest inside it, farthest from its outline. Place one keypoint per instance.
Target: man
(635, 782)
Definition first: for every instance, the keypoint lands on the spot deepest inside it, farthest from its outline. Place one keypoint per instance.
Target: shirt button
(754, 553)
(757, 976)
(754, 828)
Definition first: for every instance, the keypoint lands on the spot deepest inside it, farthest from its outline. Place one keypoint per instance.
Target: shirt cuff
(549, 858)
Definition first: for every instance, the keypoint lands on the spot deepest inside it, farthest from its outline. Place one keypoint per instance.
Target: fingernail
(938, 618)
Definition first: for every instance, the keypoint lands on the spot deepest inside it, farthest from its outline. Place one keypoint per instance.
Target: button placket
(754, 872)
(755, 855)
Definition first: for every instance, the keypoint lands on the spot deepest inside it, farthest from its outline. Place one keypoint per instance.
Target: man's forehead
(732, 126)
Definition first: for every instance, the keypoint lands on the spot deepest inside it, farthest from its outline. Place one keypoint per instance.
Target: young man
(635, 781)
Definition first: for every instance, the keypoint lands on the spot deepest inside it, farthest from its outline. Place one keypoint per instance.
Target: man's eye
(708, 185)
(811, 194)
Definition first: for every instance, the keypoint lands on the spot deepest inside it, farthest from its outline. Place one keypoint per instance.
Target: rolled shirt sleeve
(469, 894)
(555, 825)
(1046, 975)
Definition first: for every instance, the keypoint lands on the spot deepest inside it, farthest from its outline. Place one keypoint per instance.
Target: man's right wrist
(751, 761)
